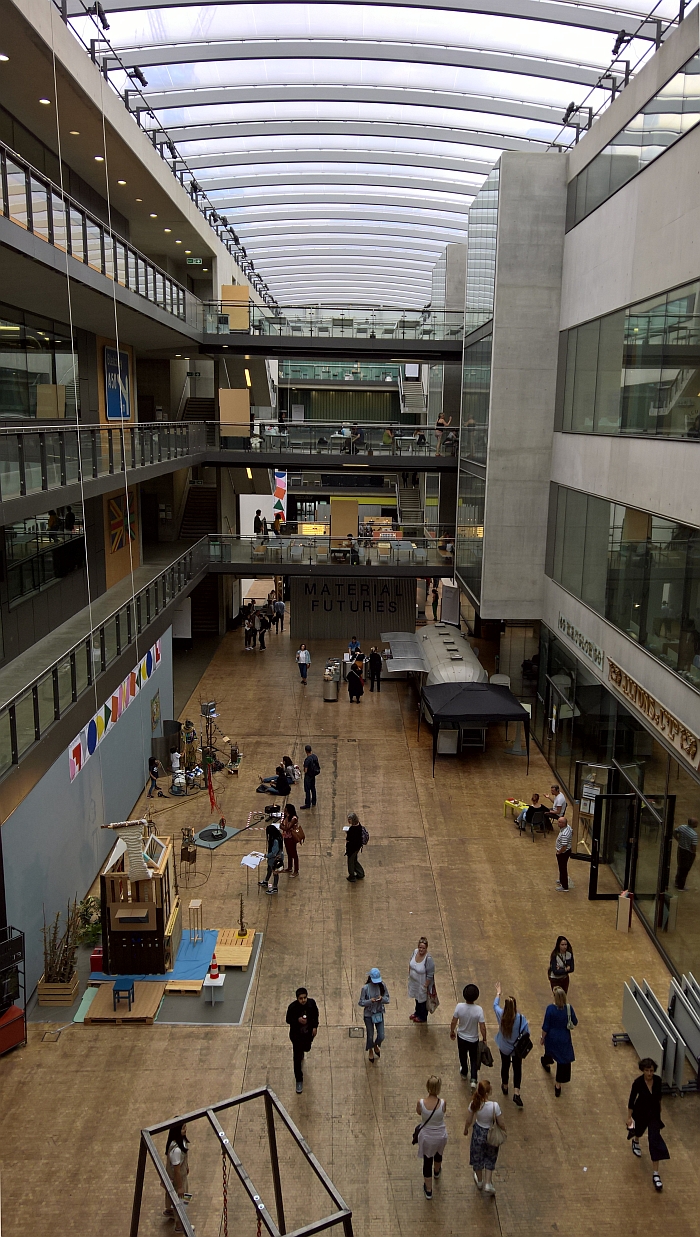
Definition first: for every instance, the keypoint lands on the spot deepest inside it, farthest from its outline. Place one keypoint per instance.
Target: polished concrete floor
(442, 861)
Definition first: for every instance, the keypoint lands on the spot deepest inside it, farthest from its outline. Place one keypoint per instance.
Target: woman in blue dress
(559, 1018)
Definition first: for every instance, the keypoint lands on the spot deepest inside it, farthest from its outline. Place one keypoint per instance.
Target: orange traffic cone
(213, 968)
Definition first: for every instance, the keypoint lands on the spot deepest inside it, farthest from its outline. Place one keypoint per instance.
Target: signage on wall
(86, 743)
(682, 739)
(379, 597)
(279, 505)
(586, 646)
(194, 261)
(117, 386)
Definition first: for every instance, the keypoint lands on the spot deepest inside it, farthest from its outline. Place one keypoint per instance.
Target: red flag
(210, 788)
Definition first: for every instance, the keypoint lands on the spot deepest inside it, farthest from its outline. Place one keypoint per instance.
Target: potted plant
(59, 983)
(90, 921)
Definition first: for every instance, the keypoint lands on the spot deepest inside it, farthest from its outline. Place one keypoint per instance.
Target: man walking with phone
(302, 1020)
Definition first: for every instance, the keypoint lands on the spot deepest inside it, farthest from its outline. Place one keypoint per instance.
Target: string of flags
(86, 743)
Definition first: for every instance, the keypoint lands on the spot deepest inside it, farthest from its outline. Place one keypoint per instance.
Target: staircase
(199, 409)
(200, 514)
(410, 509)
(414, 401)
(205, 607)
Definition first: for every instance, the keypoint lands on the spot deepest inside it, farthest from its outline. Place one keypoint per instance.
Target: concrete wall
(53, 843)
(531, 217)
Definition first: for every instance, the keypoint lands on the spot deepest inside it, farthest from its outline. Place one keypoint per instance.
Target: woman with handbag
(513, 1040)
(421, 980)
(559, 1019)
(488, 1134)
(561, 964)
(293, 835)
(373, 998)
(356, 683)
(431, 1134)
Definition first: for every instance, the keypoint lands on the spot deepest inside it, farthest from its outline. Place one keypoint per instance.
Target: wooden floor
(443, 862)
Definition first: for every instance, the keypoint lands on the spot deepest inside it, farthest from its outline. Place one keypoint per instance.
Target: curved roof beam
(418, 183)
(348, 128)
(584, 16)
(161, 101)
(327, 49)
(252, 159)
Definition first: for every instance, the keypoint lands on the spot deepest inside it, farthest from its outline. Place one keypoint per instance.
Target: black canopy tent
(472, 706)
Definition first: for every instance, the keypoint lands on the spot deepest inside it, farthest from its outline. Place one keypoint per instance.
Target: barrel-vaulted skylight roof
(345, 142)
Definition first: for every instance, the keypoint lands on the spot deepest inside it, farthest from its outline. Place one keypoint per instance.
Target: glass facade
(38, 370)
(636, 371)
(476, 388)
(583, 729)
(481, 254)
(470, 529)
(661, 122)
(637, 570)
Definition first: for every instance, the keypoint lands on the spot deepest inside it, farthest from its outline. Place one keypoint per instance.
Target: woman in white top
(421, 977)
(432, 1134)
(177, 1167)
(466, 1026)
(303, 662)
(483, 1113)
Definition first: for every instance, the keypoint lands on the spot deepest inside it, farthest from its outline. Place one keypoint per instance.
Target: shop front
(632, 773)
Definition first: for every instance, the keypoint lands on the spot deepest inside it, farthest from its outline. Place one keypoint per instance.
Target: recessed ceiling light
(153, 216)
(249, 473)
(178, 242)
(99, 159)
(205, 269)
(121, 182)
(46, 102)
(75, 132)
(139, 199)
(188, 251)
(178, 355)
(3, 56)
(167, 229)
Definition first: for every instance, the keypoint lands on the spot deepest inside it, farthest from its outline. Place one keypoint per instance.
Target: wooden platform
(147, 999)
(193, 986)
(234, 950)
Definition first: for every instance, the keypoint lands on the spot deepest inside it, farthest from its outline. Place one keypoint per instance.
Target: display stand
(13, 1018)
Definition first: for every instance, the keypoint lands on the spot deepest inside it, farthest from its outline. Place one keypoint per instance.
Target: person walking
(257, 523)
(303, 662)
(375, 669)
(274, 856)
(302, 1020)
(561, 964)
(312, 768)
(293, 836)
(467, 1024)
(434, 599)
(373, 998)
(177, 1168)
(248, 633)
(263, 630)
(687, 839)
(154, 769)
(354, 842)
(563, 848)
(556, 1040)
(432, 1133)
(482, 1115)
(356, 683)
(644, 1115)
(421, 979)
(511, 1025)
(279, 611)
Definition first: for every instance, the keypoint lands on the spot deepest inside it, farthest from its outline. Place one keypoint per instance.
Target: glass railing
(35, 460)
(387, 549)
(348, 322)
(57, 556)
(342, 438)
(27, 717)
(339, 371)
(39, 206)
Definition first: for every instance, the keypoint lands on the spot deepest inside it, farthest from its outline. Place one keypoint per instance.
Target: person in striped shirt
(563, 845)
(687, 839)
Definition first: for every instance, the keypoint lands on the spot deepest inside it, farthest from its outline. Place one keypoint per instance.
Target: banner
(86, 743)
(279, 505)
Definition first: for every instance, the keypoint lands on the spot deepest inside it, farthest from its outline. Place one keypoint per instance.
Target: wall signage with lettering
(332, 607)
(586, 646)
(675, 733)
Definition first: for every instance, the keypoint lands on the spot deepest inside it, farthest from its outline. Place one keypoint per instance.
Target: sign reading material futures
(682, 739)
(586, 646)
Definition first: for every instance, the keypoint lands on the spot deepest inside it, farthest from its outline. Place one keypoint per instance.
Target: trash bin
(330, 687)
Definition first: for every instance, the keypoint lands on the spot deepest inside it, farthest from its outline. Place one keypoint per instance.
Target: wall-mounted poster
(122, 522)
(155, 710)
(117, 385)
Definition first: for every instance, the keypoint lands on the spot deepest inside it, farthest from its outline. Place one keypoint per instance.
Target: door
(611, 839)
(560, 712)
(590, 780)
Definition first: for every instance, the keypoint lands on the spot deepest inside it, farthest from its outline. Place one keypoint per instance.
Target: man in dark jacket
(302, 1020)
(353, 846)
(312, 769)
(375, 669)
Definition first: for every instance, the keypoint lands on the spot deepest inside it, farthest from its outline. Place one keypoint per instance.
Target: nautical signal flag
(279, 494)
(86, 743)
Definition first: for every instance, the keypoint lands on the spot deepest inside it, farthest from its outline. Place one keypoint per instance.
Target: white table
(214, 989)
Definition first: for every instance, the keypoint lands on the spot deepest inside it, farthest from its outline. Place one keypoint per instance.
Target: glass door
(613, 840)
(560, 713)
(590, 780)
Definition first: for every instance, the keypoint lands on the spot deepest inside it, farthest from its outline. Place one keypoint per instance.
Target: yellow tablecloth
(515, 807)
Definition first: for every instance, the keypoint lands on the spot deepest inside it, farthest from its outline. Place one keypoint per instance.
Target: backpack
(316, 769)
(365, 835)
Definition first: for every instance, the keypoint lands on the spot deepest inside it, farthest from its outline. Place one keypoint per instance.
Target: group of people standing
(258, 620)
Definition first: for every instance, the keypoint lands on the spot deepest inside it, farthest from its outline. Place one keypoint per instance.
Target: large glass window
(470, 530)
(476, 390)
(38, 371)
(661, 122)
(636, 569)
(635, 371)
(481, 254)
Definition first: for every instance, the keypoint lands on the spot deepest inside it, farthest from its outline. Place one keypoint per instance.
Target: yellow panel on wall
(344, 516)
(50, 402)
(234, 302)
(234, 409)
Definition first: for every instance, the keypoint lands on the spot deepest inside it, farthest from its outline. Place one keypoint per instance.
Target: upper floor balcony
(351, 438)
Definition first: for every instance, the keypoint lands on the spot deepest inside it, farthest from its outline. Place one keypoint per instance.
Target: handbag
(523, 1044)
(298, 833)
(485, 1055)
(496, 1136)
(432, 999)
(569, 1023)
(422, 1124)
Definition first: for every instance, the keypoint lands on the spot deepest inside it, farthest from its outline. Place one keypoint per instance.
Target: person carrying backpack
(355, 838)
(312, 769)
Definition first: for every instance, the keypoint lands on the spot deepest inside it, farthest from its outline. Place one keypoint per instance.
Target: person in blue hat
(373, 998)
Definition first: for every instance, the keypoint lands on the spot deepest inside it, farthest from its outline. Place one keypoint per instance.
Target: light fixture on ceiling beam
(97, 11)
(136, 75)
